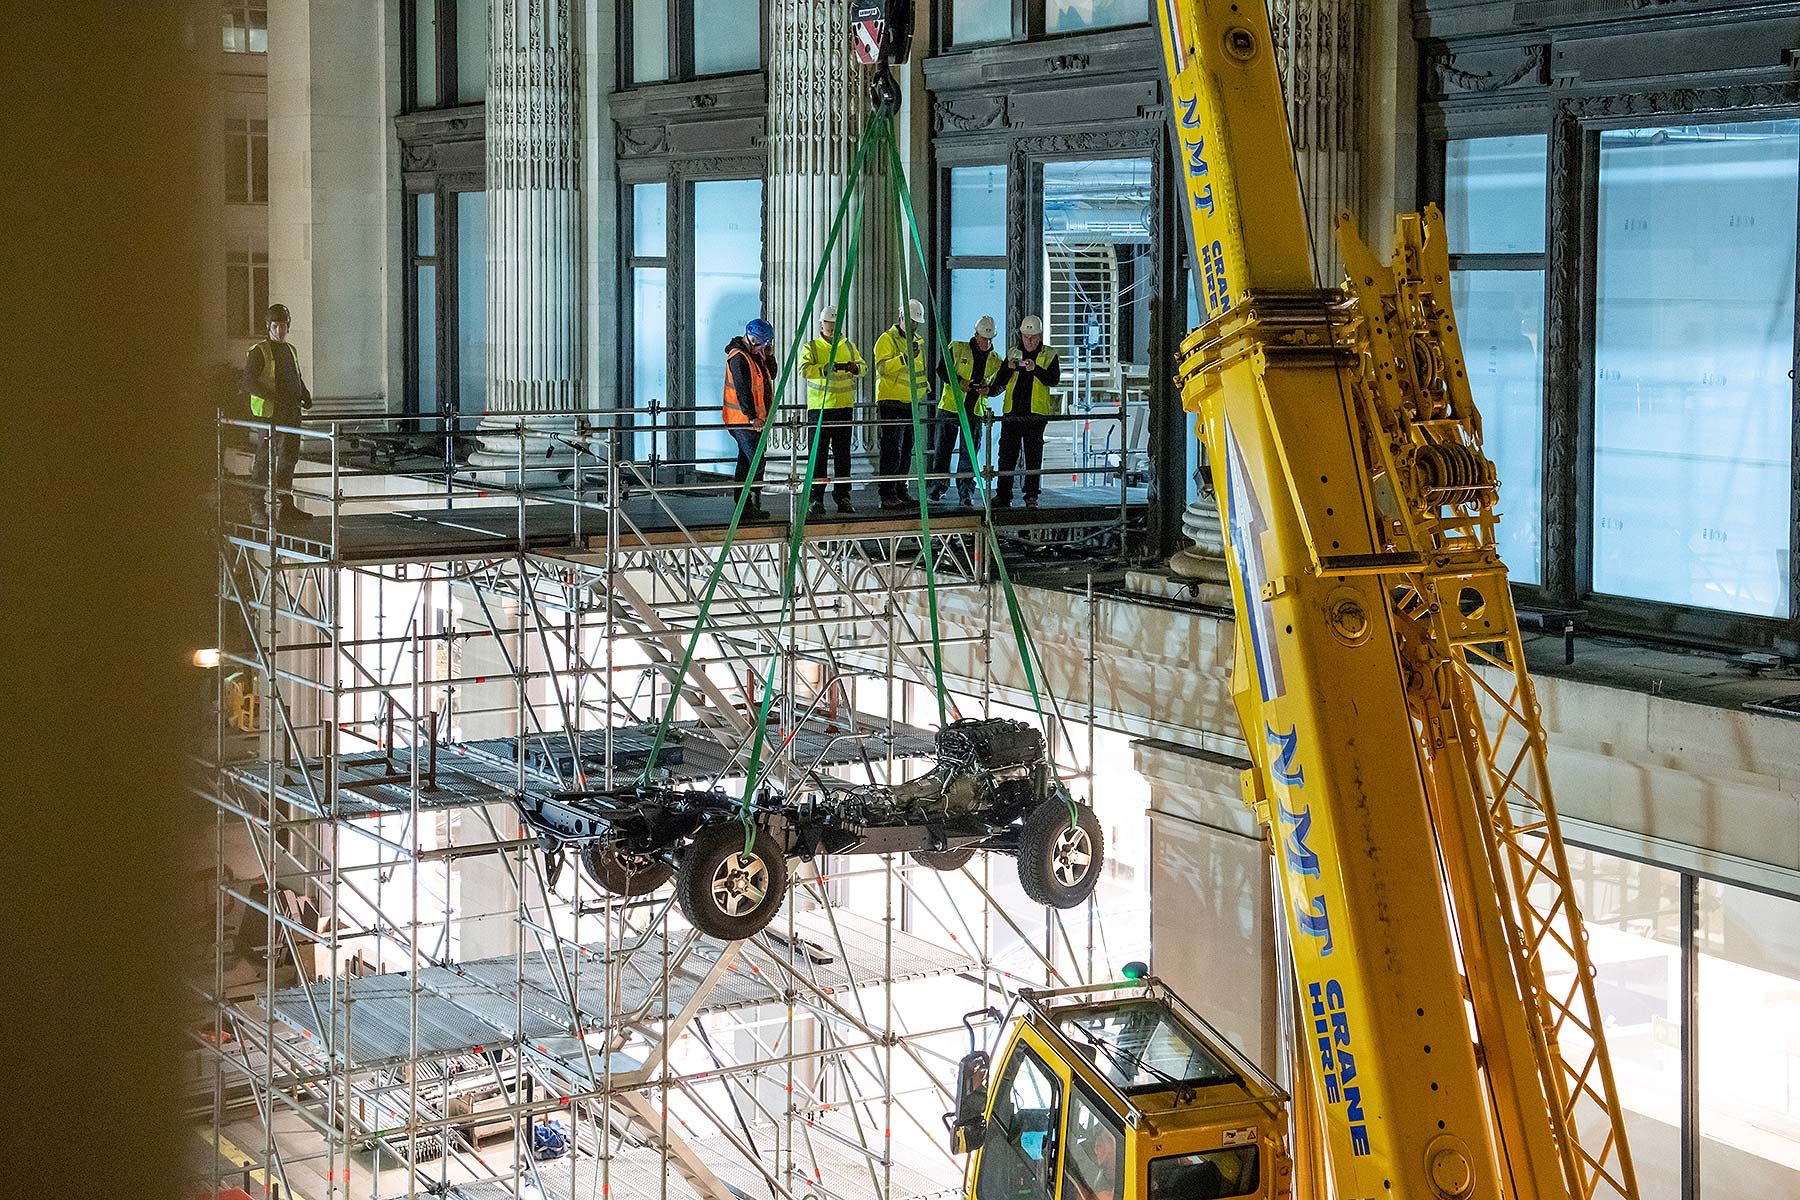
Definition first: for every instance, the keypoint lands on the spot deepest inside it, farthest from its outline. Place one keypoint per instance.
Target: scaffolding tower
(406, 996)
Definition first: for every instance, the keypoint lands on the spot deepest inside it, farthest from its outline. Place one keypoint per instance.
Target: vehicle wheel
(623, 873)
(943, 860)
(726, 893)
(1059, 863)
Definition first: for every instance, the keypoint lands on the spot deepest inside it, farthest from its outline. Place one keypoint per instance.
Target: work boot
(967, 499)
(894, 503)
(844, 505)
(936, 494)
(816, 509)
(754, 511)
(1031, 502)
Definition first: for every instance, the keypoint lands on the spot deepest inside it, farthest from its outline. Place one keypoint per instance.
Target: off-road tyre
(943, 860)
(623, 873)
(703, 885)
(1052, 869)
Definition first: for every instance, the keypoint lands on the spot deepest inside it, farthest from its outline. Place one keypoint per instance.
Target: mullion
(446, 53)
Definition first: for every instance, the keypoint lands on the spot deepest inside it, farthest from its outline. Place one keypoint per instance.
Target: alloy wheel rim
(739, 884)
(1072, 856)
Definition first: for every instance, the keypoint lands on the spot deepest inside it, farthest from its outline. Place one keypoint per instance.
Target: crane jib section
(1446, 1033)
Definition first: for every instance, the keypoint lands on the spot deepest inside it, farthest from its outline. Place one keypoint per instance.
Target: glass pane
(1693, 405)
(259, 162)
(649, 40)
(471, 50)
(1096, 306)
(727, 36)
(237, 295)
(1494, 194)
(727, 296)
(235, 42)
(649, 352)
(1502, 316)
(425, 338)
(237, 162)
(1019, 1154)
(1093, 1164)
(650, 220)
(1749, 1002)
(1215, 1173)
(1069, 16)
(974, 295)
(471, 301)
(1632, 912)
(979, 21)
(425, 224)
(978, 210)
(425, 41)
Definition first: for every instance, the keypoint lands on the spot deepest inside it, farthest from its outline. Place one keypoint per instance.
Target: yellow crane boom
(1449, 1042)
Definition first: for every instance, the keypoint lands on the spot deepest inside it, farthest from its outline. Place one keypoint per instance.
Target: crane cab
(1117, 1092)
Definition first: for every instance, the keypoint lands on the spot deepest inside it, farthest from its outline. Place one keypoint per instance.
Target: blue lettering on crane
(1337, 1062)
(1283, 767)
(1315, 922)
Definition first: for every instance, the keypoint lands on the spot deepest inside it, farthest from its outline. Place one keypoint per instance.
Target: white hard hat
(1031, 327)
(985, 327)
(828, 313)
(915, 309)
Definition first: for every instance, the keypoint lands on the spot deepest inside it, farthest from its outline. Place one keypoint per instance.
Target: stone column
(818, 106)
(329, 184)
(1318, 47)
(535, 357)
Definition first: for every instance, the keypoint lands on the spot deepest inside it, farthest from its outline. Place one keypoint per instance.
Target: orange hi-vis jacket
(759, 400)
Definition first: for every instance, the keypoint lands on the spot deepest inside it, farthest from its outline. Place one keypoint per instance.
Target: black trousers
(287, 457)
(746, 437)
(896, 441)
(1021, 433)
(834, 445)
(949, 438)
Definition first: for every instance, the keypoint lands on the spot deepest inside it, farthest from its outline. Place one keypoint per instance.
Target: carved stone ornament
(642, 141)
(1533, 66)
(1060, 64)
(969, 113)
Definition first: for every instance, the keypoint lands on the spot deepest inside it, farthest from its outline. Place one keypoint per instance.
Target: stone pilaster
(1318, 48)
(535, 355)
(818, 106)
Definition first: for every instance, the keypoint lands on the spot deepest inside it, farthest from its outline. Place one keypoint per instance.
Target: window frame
(445, 58)
(1029, 23)
(241, 135)
(681, 46)
(1571, 254)
(449, 316)
(242, 9)
(252, 260)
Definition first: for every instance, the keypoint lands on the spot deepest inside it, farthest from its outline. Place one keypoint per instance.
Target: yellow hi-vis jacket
(1049, 371)
(962, 358)
(827, 387)
(893, 364)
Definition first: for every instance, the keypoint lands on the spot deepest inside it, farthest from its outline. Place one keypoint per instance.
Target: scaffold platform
(475, 1006)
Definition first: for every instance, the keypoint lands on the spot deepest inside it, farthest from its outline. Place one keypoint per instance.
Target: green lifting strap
(667, 720)
(797, 531)
(1021, 635)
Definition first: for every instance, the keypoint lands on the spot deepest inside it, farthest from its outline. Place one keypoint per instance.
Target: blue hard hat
(760, 330)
